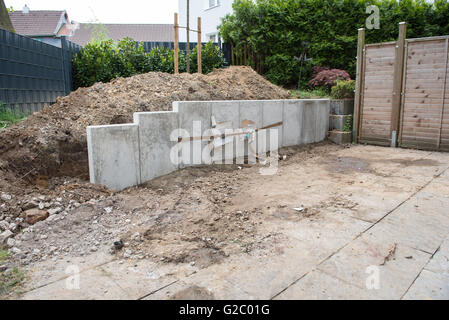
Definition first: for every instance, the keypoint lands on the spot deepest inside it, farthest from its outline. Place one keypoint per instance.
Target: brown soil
(52, 143)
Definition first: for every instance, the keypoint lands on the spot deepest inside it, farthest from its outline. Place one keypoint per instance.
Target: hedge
(102, 61)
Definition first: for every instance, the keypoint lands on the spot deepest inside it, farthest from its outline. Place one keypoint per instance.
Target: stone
(16, 251)
(4, 236)
(4, 225)
(5, 196)
(10, 242)
(35, 215)
(30, 205)
(13, 226)
(54, 211)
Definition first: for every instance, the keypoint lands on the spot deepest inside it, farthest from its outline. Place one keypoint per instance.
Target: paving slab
(318, 285)
(440, 261)
(366, 257)
(93, 285)
(429, 286)
(138, 278)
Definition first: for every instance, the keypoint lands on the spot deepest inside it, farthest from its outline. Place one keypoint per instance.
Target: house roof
(37, 22)
(138, 32)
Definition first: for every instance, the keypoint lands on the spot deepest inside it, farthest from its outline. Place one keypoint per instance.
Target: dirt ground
(187, 216)
(229, 232)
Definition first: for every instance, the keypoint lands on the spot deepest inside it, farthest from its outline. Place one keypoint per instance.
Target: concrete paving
(382, 232)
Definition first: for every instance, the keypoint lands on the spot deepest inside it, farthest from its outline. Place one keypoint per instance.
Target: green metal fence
(33, 73)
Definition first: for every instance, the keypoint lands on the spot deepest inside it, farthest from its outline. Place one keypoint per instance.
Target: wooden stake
(397, 84)
(359, 83)
(200, 66)
(443, 94)
(176, 58)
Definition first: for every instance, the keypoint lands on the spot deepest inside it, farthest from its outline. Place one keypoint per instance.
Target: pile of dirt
(52, 143)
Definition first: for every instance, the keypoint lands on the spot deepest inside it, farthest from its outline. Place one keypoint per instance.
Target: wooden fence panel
(377, 94)
(425, 110)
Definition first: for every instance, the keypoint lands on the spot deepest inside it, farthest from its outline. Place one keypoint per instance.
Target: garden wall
(126, 155)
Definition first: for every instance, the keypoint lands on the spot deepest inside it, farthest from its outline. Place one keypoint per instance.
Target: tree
(5, 22)
(279, 33)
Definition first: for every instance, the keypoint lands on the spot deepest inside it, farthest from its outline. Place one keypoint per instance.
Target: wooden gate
(402, 93)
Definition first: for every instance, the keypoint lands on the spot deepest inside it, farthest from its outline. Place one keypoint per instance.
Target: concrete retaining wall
(122, 156)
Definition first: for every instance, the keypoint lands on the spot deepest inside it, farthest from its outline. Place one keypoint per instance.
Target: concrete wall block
(340, 137)
(338, 122)
(252, 111)
(190, 112)
(342, 107)
(322, 119)
(293, 119)
(155, 129)
(114, 155)
(273, 112)
(225, 111)
(308, 132)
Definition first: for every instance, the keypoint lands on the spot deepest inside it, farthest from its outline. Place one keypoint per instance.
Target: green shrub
(282, 69)
(102, 61)
(343, 89)
(97, 62)
(211, 57)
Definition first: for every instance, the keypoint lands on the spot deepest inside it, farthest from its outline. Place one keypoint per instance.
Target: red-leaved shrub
(327, 78)
(318, 69)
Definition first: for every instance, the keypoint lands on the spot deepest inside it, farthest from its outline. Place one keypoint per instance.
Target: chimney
(26, 9)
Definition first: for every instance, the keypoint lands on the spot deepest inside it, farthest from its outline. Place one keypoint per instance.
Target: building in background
(42, 25)
(210, 11)
(86, 32)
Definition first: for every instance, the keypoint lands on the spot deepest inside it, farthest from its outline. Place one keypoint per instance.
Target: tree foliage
(277, 31)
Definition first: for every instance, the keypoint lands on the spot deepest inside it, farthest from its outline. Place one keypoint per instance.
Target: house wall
(49, 40)
(122, 156)
(210, 17)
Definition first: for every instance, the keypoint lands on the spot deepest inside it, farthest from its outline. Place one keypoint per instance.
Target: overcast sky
(106, 11)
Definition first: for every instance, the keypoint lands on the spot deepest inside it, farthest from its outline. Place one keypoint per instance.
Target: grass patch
(309, 94)
(9, 280)
(3, 255)
(8, 117)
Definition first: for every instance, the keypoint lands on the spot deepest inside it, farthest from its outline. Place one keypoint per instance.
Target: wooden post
(245, 52)
(188, 38)
(176, 58)
(443, 94)
(358, 84)
(397, 84)
(200, 65)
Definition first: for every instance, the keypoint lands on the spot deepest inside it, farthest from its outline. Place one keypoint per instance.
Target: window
(213, 3)
(212, 37)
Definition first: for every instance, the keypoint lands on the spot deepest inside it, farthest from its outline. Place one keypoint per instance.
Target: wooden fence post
(397, 83)
(443, 94)
(358, 84)
(176, 55)
(200, 66)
